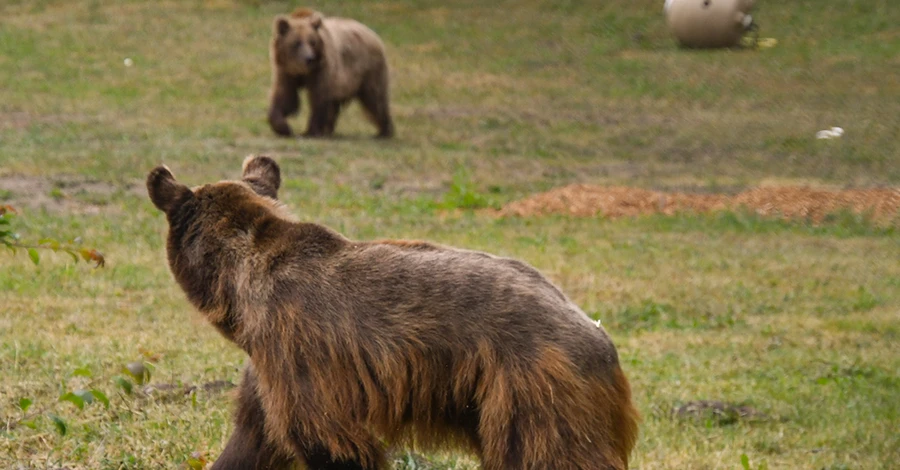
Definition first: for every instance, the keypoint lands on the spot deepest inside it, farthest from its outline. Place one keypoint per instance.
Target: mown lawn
(798, 324)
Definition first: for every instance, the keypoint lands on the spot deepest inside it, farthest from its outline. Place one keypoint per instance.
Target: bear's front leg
(324, 432)
(248, 447)
(283, 102)
(320, 459)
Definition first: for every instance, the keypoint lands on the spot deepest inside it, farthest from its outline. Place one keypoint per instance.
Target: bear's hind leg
(375, 103)
(501, 448)
(530, 441)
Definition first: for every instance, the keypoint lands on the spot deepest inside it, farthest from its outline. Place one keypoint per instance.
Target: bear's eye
(312, 43)
(298, 45)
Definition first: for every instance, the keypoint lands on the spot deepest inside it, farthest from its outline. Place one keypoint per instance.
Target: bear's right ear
(316, 20)
(164, 190)
(282, 25)
(263, 175)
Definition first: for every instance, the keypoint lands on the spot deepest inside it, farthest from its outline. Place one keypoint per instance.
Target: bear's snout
(310, 58)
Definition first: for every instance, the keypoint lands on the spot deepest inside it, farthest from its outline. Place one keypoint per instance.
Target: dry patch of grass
(815, 205)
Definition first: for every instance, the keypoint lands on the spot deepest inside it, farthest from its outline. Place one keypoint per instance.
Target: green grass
(492, 101)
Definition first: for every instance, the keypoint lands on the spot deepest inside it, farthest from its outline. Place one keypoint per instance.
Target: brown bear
(336, 60)
(356, 344)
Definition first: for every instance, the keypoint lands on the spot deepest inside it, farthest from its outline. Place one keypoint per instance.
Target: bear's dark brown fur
(353, 344)
(336, 60)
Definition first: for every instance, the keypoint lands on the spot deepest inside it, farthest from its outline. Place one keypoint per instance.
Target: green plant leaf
(82, 372)
(29, 423)
(34, 255)
(745, 462)
(61, 426)
(24, 404)
(85, 396)
(101, 397)
(73, 398)
(124, 384)
(139, 371)
(195, 463)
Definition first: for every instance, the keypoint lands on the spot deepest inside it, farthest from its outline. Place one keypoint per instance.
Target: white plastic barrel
(708, 23)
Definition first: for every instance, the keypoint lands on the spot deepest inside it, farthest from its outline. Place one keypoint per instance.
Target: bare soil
(721, 412)
(582, 200)
(60, 194)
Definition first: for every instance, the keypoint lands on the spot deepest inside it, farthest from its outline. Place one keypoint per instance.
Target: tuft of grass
(462, 193)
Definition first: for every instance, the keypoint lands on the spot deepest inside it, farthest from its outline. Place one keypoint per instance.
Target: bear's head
(211, 228)
(297, 42)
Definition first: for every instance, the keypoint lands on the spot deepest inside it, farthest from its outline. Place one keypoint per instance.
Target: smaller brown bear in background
(336, 60)
(353, 344)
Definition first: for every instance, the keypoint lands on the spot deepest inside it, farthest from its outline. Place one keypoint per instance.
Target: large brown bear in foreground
(336, 60)
(356, 344)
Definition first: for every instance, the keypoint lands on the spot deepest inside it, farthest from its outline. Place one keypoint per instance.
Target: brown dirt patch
(582, 200)
(69, 194)
(186, 389)
(24, 120)
(718, 411)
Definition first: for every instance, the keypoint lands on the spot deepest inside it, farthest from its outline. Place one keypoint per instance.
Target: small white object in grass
(747, 21)
(832, 133)
(128, 62)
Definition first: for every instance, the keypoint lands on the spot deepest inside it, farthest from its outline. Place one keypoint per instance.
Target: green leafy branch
(80, 397)
(11, 240)
(82, 389)
(133, 373)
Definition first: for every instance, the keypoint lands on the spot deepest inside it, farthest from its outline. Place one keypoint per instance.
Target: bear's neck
(232, 285)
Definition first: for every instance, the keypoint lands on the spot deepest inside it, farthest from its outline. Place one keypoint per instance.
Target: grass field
(493, 101)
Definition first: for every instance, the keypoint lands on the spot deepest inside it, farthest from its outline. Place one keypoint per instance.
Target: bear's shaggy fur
(336, 60)
(353, 344)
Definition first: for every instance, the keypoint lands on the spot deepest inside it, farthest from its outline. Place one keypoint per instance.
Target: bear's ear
(263, 175)
(164, 190)
(316, 20)
(281, 25)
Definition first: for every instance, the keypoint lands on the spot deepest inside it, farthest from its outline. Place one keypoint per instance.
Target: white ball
(128, 62)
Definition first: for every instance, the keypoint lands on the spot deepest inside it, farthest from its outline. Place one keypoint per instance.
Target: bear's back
(441, 294)
(351, 35)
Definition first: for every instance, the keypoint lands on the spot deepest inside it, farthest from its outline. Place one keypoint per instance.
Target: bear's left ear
(263, 175)
(281, 25)
(164, 191)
